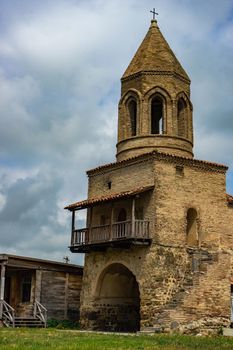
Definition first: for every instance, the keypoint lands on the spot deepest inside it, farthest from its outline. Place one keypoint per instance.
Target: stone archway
(117, 301)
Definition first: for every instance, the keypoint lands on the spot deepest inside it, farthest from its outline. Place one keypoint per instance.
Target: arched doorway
(117, 300)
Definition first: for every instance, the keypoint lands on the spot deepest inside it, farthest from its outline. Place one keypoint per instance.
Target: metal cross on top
(154, 13)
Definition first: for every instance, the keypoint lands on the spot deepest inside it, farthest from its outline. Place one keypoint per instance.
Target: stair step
(28, 322)
(25, 322)
(25, 318)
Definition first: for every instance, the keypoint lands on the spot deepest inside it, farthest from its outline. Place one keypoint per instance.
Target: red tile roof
(111, 197)
(229, 199)
(161, 155)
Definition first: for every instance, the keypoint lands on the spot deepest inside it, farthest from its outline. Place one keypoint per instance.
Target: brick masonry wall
(143, 88)
(123, 178)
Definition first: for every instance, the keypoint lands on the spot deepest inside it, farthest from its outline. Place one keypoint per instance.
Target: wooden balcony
(120, 234)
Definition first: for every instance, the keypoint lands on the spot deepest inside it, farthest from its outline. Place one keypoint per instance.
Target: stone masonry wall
(173, 295)
(182, 288)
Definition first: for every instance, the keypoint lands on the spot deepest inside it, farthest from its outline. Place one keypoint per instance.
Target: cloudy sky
(60, 68)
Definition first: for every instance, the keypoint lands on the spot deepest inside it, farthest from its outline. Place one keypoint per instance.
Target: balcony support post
(90, 225)
(133, 216)
(72, 227)
(111, 222)
(2, 290)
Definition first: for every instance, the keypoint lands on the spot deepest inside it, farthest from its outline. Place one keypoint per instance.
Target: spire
(155, 111)
(154, 54)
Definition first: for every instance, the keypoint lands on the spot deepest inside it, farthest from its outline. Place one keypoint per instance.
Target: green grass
(38, 339)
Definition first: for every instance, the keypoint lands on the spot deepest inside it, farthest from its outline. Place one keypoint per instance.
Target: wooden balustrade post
(111, 222)
(72, 227)
(3, 270)
(90, 224)
(133, 217)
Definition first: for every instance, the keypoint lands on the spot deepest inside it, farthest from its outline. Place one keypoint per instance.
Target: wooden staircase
(29, 322)
(9, 319)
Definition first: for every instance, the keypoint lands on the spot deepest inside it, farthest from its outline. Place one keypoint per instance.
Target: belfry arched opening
(117, 300)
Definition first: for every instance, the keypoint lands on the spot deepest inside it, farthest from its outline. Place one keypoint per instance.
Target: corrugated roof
(111, 197)
(5, 257)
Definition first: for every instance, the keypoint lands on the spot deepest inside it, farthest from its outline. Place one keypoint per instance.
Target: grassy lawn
(38, 339)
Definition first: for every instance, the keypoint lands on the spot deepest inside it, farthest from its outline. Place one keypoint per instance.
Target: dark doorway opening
(117, 300)
(26, 288)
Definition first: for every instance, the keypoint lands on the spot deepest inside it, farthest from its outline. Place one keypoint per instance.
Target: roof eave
(91, 202)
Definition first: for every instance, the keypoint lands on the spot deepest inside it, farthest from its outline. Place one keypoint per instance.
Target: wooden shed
(28, 284)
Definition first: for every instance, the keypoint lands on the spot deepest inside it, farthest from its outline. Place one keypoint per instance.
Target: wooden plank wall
(60, 294)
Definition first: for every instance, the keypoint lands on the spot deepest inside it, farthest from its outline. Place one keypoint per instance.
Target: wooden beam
(3, 271)
(90, 224)
(72, 227)
(133, 216)
(66, 295)
(38, 285)
(111, 221)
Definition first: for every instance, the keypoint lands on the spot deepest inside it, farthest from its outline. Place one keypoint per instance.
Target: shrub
(62, 324)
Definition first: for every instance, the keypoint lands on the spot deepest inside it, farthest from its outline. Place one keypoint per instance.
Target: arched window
(156, 115)
(132, 106)
(181, 118)
(192, 228)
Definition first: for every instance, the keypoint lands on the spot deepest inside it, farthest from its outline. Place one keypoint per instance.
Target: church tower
(155, 112)
(158, 239)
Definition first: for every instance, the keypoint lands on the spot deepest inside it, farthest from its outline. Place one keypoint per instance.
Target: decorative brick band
(154, 72)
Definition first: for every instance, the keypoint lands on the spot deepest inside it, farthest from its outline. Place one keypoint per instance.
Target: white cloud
(2, 201)
(60, 67)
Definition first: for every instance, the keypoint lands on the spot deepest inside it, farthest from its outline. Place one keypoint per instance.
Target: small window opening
(109, 185)
(133, 116)
(192, 228)
(26, 288)
(180, 170)
(156, 116)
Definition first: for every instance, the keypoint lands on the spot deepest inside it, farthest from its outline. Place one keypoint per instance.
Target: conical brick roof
(154, 54)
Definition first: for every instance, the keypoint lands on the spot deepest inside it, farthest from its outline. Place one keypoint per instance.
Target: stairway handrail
(7, 312)
(40, 312)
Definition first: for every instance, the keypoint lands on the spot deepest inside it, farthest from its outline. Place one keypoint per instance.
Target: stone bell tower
(155, 112)
(157, 240)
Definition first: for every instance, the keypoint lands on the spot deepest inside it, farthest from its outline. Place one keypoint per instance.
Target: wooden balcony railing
(139, 229)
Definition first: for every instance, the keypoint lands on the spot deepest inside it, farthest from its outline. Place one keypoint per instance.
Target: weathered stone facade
(181, 281)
